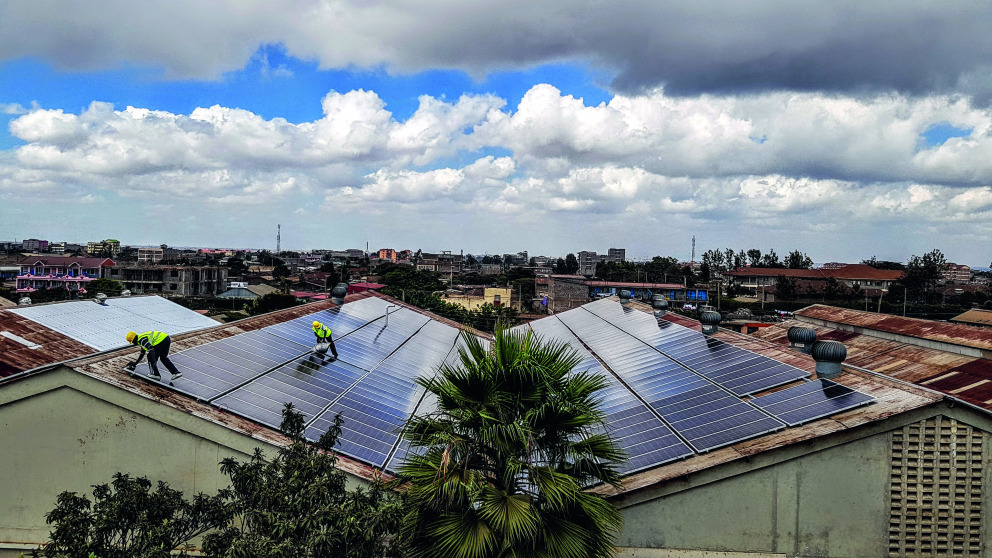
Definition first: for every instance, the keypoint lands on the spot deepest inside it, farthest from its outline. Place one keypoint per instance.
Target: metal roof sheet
(44, 346)
(966, 377)
(955, 334)
(975, 316)
(104, 326)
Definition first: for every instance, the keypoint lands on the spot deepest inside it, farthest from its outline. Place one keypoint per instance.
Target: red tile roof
(853, 271)
(67, 261)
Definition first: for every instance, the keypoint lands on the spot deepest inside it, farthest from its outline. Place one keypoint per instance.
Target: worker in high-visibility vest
(156, 344)
(323, 334)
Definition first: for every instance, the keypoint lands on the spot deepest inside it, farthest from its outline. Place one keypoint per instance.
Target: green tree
(798, 260)
(127, 518)
(754, 257)
(109, 287)
(771, 260)
(516, 437)
(786, 288)
(924, 274)
(571, 264)
(297, 505)
(280, 271)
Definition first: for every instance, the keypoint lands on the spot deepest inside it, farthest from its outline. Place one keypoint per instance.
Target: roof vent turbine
(660, 304)
(338, 293)
(624, 296)
(801, 338)
(24, 301)
(711, 321)
(126, 292)
(100, 299)
(828, 356)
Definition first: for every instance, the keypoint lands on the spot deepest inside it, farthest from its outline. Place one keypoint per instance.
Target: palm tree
(498, 470)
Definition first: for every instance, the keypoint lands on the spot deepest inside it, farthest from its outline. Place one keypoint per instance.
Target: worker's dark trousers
(161, 351)
(334, 350)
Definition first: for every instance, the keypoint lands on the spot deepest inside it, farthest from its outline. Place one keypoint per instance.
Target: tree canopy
(515, 439)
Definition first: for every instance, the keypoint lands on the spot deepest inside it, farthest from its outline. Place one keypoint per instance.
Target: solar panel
(740, 371)
(213, 368)
(811, 400)
(703, 413)
(376, 407)
(309, 384)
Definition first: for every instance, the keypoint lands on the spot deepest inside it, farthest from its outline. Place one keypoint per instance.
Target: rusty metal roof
(955, 334)
(25, 344)
(965, 377)
(975, 316)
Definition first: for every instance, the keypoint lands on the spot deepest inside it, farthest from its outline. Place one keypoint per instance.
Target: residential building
(387, 254)
(761, 281)
(957, 273)
(34, 245)
(473, 299)
(110, 247)
(65, 248)
(171, 280)
(588, 260)
(156, 255)
(51, 272)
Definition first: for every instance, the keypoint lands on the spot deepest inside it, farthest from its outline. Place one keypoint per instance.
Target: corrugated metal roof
(853, 271)
(968, 378)
(955, 334)
(46, 346)
(103, 326)
(975, 316)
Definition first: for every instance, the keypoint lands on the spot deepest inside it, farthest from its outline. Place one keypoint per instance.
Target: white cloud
(825, 161)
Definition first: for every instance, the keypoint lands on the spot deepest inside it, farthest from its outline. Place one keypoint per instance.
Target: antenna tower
(693, 250)
(278, 239)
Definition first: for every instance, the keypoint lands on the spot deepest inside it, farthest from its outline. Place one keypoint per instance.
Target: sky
(843, 129)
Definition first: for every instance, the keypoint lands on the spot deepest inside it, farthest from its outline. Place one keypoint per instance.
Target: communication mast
(693, 260)
(278, 239)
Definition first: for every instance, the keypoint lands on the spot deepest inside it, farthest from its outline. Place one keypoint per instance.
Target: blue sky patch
(937, 134)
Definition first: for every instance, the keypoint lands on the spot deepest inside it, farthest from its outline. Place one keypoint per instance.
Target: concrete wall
(62, 430)
(833, 502)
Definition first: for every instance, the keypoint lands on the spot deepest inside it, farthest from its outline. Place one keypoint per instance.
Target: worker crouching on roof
(323, 334)
(156, 344)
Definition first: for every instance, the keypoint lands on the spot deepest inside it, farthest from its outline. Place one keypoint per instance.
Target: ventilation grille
(936, 489)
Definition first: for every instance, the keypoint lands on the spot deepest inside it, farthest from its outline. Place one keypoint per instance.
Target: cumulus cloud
(777, 161)
(689, 47)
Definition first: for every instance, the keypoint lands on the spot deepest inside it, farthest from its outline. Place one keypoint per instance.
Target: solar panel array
(810, 401)
(104, 326)
(671, 391)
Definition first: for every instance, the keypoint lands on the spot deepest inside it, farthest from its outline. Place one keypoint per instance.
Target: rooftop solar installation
(740, 371)
(810, 401)
(104, 326)
(671, 391)
(703, 413)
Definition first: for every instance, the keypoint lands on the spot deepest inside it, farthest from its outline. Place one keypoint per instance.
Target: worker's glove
(131, 366)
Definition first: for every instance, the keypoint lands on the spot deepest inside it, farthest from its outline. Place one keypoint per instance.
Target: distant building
(571, 291)
(34, 245)
(172, 280)
(388, 254)
(588, 260)
(110, 247)
(59, 272)
(155, 255)
(64, 247)
(957, 273)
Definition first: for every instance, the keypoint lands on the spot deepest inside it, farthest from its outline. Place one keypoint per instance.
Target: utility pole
(904, 302)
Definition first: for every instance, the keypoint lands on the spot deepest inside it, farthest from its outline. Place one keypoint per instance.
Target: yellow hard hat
(316, 323)
(130, 336)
